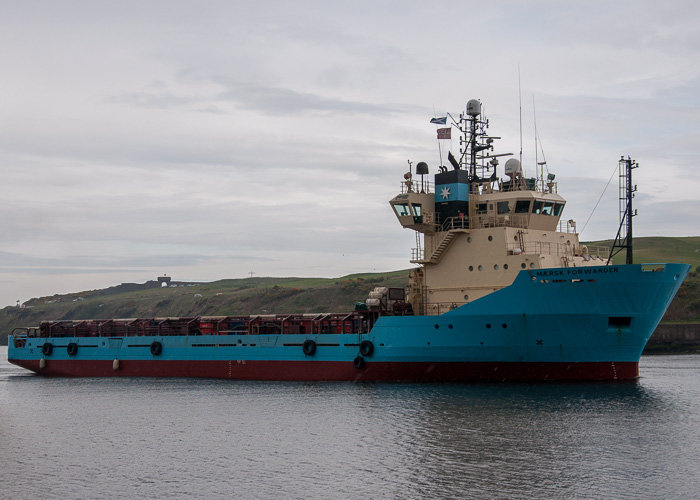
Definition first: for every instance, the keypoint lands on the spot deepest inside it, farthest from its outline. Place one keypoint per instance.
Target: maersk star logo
(445, 193)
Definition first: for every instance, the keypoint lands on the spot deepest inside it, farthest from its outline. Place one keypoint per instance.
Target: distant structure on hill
(159, 282)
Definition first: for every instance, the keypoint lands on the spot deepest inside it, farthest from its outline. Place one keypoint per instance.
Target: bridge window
(537, 206)
(402, 209)
(481, 208)
(417, 210)
(548, 208)
(522, 206)
(503, 207)
(558, 207)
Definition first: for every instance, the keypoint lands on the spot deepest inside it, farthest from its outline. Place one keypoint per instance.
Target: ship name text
(577, 271)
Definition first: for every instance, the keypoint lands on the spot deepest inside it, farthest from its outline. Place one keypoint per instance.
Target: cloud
(211, 141)
(273, 101)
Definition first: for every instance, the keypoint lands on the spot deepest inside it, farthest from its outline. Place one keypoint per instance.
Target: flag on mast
(444, 133)
(439, 121)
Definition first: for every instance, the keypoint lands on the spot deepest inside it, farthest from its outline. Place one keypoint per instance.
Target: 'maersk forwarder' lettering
(577, 271)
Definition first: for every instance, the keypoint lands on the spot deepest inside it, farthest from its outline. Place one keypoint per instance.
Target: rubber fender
(156, 348)
(72, 349)
(366, 348)
(358, 362)
(309, 347)
(47, 349)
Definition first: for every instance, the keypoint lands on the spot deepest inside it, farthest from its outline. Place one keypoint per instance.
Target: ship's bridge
(428, 212)
(521, 209)
(415, 206)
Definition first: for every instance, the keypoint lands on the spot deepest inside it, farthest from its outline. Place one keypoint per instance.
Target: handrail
(417, 187)
(338, 323)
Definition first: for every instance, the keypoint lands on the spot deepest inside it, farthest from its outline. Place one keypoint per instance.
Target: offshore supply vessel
(502, 290)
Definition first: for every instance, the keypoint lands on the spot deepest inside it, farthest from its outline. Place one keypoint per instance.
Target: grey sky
(204, 140)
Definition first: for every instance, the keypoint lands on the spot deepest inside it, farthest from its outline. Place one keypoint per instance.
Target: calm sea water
(182, 438)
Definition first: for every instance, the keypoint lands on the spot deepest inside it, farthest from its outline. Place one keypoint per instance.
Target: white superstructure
(475, 230)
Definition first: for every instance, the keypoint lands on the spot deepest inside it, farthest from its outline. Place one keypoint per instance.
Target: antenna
(541, 165)
(439, 145)
(537, 163)
(520, 104)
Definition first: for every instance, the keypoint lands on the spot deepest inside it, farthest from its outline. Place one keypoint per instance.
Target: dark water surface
(185, 438)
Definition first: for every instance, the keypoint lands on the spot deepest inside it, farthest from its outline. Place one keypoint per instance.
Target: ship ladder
(521, 240)
(446, 240)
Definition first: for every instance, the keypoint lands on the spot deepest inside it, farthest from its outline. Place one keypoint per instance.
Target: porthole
(490, 238)
(481, 268)
(495, 267)
(469, 239)
(471, 268)
(515, 238)
(505, 266)
(523, 265)
(532, 265)
(450, 327)
(488, 326)
(466, 297)
(437, 327)
(504, 326)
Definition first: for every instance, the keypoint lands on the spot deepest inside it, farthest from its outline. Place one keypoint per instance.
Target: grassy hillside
(303, 295)
(660, 249)
(225, 297)
(686, 306)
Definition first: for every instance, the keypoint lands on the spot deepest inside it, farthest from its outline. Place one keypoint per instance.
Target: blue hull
(571, 323)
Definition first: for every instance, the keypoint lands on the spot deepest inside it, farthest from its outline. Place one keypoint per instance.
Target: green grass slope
(660, 249)
(685, 308)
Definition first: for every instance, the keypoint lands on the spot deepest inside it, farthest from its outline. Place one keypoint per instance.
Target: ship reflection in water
(158, 438)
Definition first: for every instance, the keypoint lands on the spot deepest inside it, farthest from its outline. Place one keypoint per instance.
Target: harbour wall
(677, 334)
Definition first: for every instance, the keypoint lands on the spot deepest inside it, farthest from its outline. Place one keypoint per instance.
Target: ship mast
(473, 144)
(623, 240)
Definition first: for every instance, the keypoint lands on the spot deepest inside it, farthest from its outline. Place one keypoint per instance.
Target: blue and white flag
(439, 121)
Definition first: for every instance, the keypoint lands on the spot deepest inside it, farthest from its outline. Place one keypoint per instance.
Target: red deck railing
(281, 324)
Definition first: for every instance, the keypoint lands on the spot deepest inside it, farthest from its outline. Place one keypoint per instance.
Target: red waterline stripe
(338, 370)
